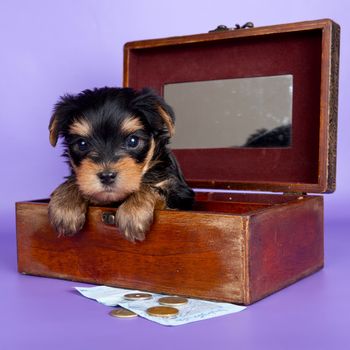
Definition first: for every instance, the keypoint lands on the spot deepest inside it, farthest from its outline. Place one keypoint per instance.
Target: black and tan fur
(116, 144)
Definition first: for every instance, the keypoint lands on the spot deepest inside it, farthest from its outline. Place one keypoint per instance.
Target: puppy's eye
(82, 145)
(132, 141)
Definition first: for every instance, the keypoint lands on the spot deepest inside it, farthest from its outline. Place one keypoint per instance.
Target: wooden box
(235, 247)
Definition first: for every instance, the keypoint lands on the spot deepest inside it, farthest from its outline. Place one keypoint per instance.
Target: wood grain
(191, 254)
(231, 257)
(284, 245)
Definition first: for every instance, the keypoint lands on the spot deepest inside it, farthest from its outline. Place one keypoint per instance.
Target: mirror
(244, 112)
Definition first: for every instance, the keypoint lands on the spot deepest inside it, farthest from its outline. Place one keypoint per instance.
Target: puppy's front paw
(67, 221)
(133, 222)
(67, 209)
(135, 216)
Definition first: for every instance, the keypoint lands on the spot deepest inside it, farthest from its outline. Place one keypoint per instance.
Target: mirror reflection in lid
(244, 112)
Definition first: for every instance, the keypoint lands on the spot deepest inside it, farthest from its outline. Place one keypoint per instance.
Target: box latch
(223, 28)
(108, 218)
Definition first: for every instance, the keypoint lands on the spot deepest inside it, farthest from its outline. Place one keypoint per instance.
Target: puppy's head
(111, 138)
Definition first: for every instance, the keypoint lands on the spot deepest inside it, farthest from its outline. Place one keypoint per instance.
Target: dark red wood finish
(307, 50)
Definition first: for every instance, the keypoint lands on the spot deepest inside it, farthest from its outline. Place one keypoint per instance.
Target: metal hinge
(298, 194)
(223, 28)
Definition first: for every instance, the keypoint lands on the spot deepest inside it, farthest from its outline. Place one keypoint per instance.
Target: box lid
(307, 51)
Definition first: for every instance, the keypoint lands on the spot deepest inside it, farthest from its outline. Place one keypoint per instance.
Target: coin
(173, 301)
(122, 313)
(162, 311)
(138, 296)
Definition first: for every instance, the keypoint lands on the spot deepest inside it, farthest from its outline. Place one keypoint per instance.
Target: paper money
(194, 310)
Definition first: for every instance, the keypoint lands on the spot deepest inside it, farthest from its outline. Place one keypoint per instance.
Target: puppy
(115, 140)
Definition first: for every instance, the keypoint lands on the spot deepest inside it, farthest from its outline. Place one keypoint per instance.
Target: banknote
(194, 310)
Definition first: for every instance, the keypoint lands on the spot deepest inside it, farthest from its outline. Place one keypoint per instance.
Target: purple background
(52, 47)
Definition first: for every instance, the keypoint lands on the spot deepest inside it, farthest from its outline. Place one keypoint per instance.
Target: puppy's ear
(168, 116)
(158, 113)
(62, 113)
(53, 128)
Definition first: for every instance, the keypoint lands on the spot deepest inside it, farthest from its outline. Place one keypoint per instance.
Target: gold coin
(122, 313)
(162, 311)
(173, 301)
(138, 296)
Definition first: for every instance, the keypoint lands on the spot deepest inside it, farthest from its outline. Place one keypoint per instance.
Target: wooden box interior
(223, 202)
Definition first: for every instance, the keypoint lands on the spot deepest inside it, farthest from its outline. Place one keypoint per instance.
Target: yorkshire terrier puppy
(115, 140)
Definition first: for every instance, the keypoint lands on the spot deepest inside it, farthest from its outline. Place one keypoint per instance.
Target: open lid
(308, 52)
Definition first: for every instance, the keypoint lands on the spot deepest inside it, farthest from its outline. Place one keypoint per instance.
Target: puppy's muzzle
(107, 177)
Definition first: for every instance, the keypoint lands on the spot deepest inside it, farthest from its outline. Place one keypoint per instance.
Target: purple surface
(48, 314)
(52, 47)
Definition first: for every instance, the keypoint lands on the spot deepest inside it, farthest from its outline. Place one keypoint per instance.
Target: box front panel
(191, 254)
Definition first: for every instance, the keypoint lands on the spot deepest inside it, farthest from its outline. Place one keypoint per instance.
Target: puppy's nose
(107, 177)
